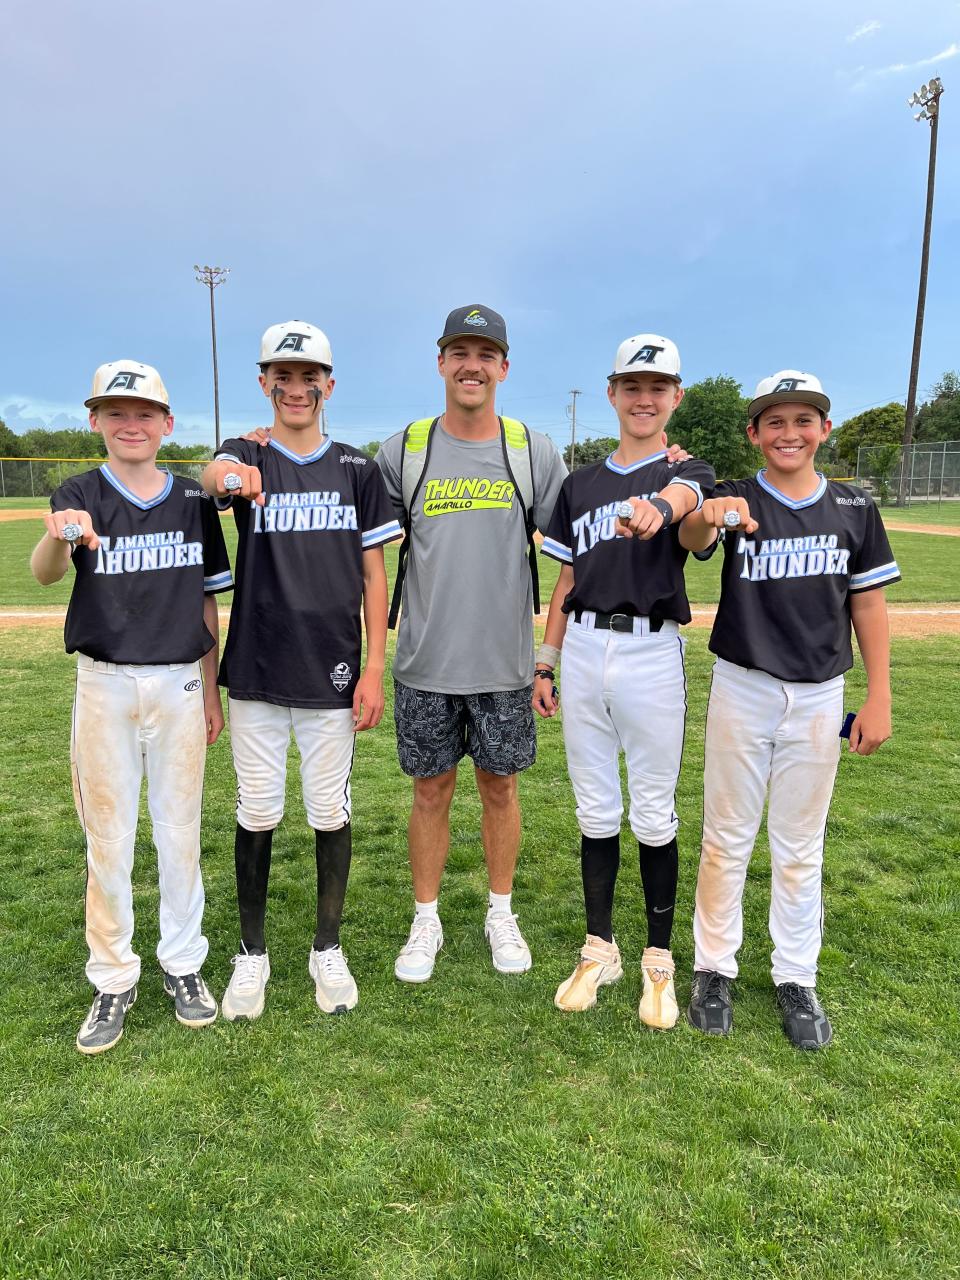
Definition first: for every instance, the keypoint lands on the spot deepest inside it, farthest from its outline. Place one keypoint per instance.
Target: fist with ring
(731, 519)
(625, 510)
(72, 533)
(232, 482)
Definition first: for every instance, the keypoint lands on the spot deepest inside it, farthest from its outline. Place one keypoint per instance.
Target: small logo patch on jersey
(193, 493)
(191, 685)
(358, 458)
(850, 502)
(476, 319)
(340, 676)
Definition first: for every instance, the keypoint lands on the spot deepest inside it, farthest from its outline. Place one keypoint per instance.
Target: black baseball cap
(475, 322)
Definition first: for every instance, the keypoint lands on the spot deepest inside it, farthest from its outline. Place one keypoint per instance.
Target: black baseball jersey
(613, 574)
(139, 597)
(785, 588)
(294, 635)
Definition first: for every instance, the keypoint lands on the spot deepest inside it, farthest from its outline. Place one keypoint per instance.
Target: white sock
(499, 904)
(427, 908)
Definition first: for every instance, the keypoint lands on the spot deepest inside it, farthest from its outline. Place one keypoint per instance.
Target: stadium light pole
(927, 98)
(572, 410)
(211, 277)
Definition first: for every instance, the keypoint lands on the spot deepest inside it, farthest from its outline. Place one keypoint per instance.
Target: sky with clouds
(745, 178)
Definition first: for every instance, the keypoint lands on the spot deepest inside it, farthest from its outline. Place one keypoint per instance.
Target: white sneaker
(336, 989)
(415, 962)
(599, 965)
(245, 995)
(510, 953)
(658, 1004)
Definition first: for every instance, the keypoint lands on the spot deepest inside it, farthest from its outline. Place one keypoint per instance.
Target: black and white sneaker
(804, 1019)
(710, 1009)
(103, 1025)
(193, 1003)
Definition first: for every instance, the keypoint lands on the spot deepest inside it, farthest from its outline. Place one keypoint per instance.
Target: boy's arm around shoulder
(872, 726)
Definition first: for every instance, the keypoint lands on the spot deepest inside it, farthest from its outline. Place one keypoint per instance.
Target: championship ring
(232, 482)
(625, 510)
(72, 532)
(731, 519)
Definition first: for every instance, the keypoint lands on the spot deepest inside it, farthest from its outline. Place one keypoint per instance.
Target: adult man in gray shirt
(463, 669)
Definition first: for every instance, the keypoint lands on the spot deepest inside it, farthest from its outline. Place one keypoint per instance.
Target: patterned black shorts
(436, 730)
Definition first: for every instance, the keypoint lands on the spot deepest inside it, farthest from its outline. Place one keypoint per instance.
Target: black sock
(599, 864)
(251, 855)
(333, 868)
(659, 866)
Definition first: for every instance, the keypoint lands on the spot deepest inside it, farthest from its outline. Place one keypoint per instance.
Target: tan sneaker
(599, 966)
(658, 1004)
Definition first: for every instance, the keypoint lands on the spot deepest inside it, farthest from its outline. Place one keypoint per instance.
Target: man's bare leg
(501, 845)
(429, 832)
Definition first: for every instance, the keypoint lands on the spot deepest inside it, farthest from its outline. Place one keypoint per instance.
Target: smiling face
(132, 429)
(472, 369)
(643, 402)
(296, 389)
(788, 436)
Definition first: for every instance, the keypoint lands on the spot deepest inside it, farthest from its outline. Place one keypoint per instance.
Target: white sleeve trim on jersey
(557, 551)
(382, 533)
(691, 484)
(228, 457)
(218, 581)
(875, 577)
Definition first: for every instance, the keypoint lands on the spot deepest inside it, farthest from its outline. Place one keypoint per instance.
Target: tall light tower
(927, 98)
(211, 277)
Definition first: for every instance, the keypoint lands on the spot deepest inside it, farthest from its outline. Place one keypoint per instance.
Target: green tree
(883, 425)
(590, 451)
(370, 448)
(71, 442)
(9, 442)
(181, 452)
(938, 418)
(711, 424)
(882, 462)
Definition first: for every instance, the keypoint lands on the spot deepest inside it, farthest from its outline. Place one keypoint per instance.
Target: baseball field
(466, 1128)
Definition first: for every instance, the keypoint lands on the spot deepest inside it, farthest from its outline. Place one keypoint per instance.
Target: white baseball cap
(789, 386)
(296, 340)
(647, 353)
(127, 379)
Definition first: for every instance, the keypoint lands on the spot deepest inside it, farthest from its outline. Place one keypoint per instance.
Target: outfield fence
(933, 472)
(39, 477)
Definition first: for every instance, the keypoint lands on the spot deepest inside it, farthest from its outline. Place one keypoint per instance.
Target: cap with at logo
(295, 340)
(789, 386)
(475, 322)
(647, 353)
(127, 379)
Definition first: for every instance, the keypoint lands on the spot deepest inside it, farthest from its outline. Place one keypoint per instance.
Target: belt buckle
(621, 622)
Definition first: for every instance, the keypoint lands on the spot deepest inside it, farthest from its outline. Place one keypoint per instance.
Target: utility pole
(573, 427)
(211, 277)
(927, 98)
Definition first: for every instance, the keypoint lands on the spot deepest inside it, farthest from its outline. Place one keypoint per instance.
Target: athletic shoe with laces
(804, 1018)
(244, 996)
(103, 1025)
(710, 1009)
(658, 1004)
(336, 989)
(509, 951)
(599, 966)
(193, 1003)
(415, 962)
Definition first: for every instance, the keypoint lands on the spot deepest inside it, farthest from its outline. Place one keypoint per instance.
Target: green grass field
(947, 513)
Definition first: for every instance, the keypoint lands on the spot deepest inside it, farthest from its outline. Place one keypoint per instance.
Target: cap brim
(632, 373)
(95, 400)
(816, 398)
(472, 333)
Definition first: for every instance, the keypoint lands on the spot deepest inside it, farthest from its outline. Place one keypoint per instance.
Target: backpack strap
(518, 459)
(415, 453)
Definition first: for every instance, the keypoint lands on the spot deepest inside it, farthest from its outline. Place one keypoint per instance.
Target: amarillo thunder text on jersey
(139, 597)
(793, 577)
(613, 574)
(294, 636)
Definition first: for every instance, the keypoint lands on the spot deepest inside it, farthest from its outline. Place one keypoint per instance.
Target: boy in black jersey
(312, 517)
(803, 558)
(617, 610)
(148, 555)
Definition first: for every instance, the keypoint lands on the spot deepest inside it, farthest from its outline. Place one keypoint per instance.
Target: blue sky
(746, 178)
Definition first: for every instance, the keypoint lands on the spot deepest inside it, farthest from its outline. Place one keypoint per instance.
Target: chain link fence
(39, 477)
(933, 472)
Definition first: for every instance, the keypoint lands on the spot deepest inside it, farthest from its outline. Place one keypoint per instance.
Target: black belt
(617, 621)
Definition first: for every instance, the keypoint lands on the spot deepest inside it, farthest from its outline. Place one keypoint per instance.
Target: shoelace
(506, 933)
(107, 1005)
(248, 970)
(716, 988)
(333, 964)
(423, 933)
(189, 984)
(796, 997)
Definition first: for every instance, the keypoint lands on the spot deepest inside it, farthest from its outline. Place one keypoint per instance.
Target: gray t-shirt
(467, 620)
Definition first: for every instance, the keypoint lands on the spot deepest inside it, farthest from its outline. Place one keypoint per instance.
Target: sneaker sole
(501, 968)
(583, 1008)
(411, 977)
(90, 1050)
(234, 1016)
(342, 1007)
(713, 1031)
(205, 1021)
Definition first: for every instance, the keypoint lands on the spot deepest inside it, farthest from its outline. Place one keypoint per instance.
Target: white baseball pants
(127, 720)
(624, 692)
(766, 734)
(260, 737)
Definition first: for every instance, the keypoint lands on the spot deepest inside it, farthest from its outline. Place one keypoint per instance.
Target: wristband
(665, 509)
(542, 674)
(548, 655)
